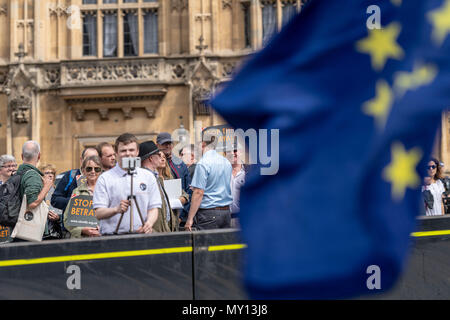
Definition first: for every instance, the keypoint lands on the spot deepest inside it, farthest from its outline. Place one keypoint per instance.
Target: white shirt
(436, 190)
(236, 183)
(115, 185)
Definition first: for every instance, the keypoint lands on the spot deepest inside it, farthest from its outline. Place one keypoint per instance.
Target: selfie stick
(131, 168)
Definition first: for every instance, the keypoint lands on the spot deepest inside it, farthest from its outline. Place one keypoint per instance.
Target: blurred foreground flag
(358, 109)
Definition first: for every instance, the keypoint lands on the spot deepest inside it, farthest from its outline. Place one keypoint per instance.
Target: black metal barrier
(183, 265)
(118, 267)
(427, 275)
(201, 265)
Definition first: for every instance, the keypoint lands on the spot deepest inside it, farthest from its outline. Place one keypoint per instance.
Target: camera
(131, 163)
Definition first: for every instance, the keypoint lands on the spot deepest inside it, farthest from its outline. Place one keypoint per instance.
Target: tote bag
(31, 223)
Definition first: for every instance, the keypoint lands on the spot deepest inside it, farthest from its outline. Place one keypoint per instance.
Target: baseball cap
(163, 137)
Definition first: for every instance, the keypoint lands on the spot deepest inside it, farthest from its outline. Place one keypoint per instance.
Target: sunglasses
(49, 172)
(431, 167)
(96, 169)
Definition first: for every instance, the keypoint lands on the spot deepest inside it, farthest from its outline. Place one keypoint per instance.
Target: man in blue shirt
(211, 196)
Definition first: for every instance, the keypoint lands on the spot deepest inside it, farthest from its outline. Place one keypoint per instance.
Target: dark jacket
(180, 171)
(61, 196)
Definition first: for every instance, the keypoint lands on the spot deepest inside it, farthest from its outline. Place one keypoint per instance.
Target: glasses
(431, 167)
(50, 172)
(96, 169)
(12, 166)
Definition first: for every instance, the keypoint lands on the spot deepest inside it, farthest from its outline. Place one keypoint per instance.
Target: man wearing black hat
(151, 160)
(178, 168)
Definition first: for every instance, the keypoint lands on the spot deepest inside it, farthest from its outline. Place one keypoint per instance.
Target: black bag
(54, 231)
(10, 201)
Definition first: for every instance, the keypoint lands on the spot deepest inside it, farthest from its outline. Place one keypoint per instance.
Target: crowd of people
(134, 200)
(210, 187)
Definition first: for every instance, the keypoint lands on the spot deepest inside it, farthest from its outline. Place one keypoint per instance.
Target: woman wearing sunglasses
(436, 187)
(91, 168)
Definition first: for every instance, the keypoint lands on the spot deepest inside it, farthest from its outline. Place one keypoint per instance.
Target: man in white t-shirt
(113, 188)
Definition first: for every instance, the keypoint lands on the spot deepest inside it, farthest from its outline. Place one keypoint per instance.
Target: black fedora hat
(146, 149)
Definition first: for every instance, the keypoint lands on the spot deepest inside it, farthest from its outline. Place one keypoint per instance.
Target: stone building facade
(74, 73)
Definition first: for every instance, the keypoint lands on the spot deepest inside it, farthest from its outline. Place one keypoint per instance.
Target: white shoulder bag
(31, 224)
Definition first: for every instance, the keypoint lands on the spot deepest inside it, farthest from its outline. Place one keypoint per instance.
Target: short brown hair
(101, 145)
(125, 138)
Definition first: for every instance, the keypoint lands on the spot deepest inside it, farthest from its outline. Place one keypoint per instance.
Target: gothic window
(289, 9)
(269, 19)
(90, 34)
(151, 31)
(127, 27)
(275, 14)
(130, 34)
(247, 24)
(110, 34)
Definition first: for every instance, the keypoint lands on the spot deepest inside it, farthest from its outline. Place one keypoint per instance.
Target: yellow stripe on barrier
(93, 256)
(227, 247)
(431, 233)
(136, 253)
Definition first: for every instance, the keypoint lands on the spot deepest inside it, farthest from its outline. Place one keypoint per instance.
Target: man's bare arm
(196, 200)
(105, 213)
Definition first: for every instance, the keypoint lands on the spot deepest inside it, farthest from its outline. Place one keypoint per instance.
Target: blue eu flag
(357, 108)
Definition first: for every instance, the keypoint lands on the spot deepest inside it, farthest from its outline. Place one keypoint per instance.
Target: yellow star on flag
(381, 44)
(380, 106)
(440, 19)
(401, 172)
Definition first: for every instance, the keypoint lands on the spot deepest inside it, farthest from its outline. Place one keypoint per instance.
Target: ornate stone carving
(3, 76)
(20, 104)
(228, 69)
(151, 111)
(52, 77)
(104, 113)
(79, 114)
(227, 4)
(127, 112)
(178, 71)
(203, 82)
(200, 97)
(125, 103)
(58, 10)
(4, 10)
(179, 5)
(108, 72)
(19, 86)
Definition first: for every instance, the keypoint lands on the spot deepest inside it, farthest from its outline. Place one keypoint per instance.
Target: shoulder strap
(72, 175)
